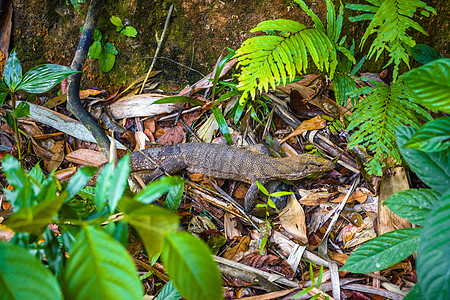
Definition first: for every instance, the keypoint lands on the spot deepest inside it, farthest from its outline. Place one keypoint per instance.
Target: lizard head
(305, 165)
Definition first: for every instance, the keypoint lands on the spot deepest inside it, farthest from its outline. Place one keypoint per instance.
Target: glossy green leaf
(223, 126)
(433, 168)
(111, 184)
(129, 31)
(37, 174)
(424, 54)
(168, 292)
(116, 21)
(79, 180)
(191, 267)
(97, 35)
(100, 268)
(22, 110)
(106, 61)
(180, 99)
(433, 264)
(3, 96)
(24, 191)
(430, 84)
(119, 182)
(3, 92)
(111, 48)
(104, 182)
(434, 136)
(157, 188)
(34, 219)
(22, 276)
(383, 251)
(12, 73)
(415, 293)
(174, 196)
(42, 78)
(412, 204)
(151, 222)
(95, 49)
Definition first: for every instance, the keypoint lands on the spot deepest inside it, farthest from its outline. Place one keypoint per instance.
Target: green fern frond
(376, 117)
(273, 59)
(391, 19)
(343, 84)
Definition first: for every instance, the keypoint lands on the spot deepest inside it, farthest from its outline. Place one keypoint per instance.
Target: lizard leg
(170, 165)
(252, 195)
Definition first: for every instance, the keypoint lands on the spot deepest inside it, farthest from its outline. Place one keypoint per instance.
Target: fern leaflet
(390, 21)
(376, 117)
(273, 59)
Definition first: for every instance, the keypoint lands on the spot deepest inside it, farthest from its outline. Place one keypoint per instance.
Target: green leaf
(106, 61)
(191, 267)
(158, 188)
(79, 181)
(383, 251)
(97, 35)
(42, 78)
(151, 222)
(111, 184)
(104, 182)
(22, 110)
(95, 49)
(119, 182)
(110, 48)
(129, 31)
(100, 268)
(180, 99)
(433, 168)
(168, 292)
(22, 276)
(424, 54)
(430, 84)
(3, 96)
(222, 124)
(434, 136)
(12, 74)
(433, 264)
(412, 204)
(174, 196)
(34, 219)
(116, 21)
(262, 188)
(415, 293)
(23, 192)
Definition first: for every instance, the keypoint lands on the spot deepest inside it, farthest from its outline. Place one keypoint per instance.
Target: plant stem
(16, 125)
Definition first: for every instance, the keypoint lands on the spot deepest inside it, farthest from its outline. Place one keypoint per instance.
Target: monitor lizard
(225, 162)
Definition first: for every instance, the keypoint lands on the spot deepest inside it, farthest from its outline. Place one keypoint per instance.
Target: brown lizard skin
(225, 162)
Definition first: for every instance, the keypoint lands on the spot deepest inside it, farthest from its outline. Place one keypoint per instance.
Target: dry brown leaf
(175, 135)
(141, 140)
(356, 196)
(268, 263)
(240, 191)
(150, 124)
(292, 218)
(65, 174)
(314, 198)
(235, 253)
(339, 257)
(90, 92)
(87, 157)
(55, 161)
(230, 223)
(140, 106)
(312, 124)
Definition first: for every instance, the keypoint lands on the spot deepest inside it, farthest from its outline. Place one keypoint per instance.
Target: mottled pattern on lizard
(226, 162)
